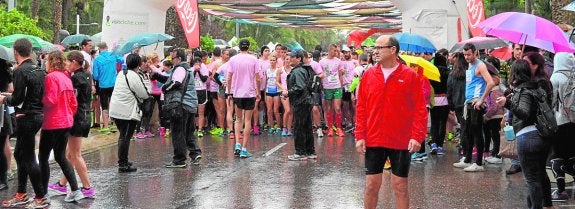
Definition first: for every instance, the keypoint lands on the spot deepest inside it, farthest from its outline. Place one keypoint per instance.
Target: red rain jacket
(390, 113)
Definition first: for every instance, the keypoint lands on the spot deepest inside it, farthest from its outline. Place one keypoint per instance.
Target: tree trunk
(65, 13)
(35, 8)
(57, 7)
(528, 4)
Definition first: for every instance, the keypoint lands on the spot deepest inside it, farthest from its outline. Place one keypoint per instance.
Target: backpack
(567, 98)
(314, 84)
(546, 123)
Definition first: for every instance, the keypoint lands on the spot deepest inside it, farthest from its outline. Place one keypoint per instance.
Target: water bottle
(509, 132)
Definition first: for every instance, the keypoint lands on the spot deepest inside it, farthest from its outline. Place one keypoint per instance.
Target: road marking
(268, 153)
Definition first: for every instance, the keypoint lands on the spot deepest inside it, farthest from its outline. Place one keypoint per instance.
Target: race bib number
(332, 79)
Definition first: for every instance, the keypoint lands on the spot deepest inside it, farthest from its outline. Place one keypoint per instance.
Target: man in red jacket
(391, 121)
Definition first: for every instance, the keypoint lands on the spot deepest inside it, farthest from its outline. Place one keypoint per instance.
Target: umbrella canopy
(141, 40)
(368, 42)
(414, 43)
(96, 38)
(75, 39)
(569, 7)
(480, 43)
(8, 41)
(430, 71)
(522, 28)
(503, 53)
(7, 54)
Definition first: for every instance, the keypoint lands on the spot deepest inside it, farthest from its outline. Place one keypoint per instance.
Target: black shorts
(202, 96)
(81, 127)
(212, 95)
(245, 103)
(105, 95)
(346, 96)
(272, 94)
(375, 158)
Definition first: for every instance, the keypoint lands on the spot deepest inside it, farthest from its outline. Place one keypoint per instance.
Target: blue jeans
(533, 152)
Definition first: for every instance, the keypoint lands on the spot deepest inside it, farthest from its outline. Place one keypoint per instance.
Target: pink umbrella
(527, 29)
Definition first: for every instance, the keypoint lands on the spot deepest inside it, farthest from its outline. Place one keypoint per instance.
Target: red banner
(475, 14)
(189, 17)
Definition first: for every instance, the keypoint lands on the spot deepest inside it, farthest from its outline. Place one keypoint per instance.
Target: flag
(189, 17)
(475, 14)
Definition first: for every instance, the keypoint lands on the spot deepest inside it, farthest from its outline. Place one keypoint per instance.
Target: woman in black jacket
(531, 147)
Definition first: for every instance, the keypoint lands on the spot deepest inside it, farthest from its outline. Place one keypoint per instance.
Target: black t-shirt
(82, 82)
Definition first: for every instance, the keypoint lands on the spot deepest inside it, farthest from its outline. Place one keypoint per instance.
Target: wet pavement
(267, 180)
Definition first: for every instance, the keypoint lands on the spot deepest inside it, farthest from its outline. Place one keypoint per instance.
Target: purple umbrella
(527, 29)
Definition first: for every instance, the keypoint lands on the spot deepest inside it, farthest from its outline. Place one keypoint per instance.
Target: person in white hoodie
(129, 92)
(563, 157)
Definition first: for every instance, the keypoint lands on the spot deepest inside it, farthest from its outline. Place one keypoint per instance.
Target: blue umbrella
(141, 40)
(75, 39)
(569, 7)
(414, 43)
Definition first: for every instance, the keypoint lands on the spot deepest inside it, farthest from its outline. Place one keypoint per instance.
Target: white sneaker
(74, 196)
(474, 168)
(461, 164)
(493, 160)
(319, 132)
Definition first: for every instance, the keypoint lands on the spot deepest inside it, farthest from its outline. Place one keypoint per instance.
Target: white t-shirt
(87, 58)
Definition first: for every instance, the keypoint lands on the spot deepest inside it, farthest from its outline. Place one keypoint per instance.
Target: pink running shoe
(162, 131)
(149, 134)
(56, 188)
(140, 135)
(89, 193)
(256, 130)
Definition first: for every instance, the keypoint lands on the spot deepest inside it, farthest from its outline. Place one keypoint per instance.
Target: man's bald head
(388, 40)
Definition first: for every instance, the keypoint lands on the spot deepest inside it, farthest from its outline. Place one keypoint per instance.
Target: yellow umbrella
(429, 70)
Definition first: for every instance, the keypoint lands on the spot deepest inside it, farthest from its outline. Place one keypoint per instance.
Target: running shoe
(271, 131)
(284, 132)
(245, 154)
(340, 133)
(18, 199)
(440, 151)
(450, 136)
(557, 196)
(58, 189)
(140, 135)
(256, 130)
(200, 133)
(330, 133)
(232, 134)
(39, 203)
(105, 130)
(74, 196)
(474, 168)
(461, 163)
(289, 133)
(196, 160)
(237, 149)
(387, 165)
(162, 131)
(319, 132)
(312, 156)
(149, 134)
(433, 149)
(174, 165)
(168, 132)
(296, 157)
(88, 193)
(493, 160)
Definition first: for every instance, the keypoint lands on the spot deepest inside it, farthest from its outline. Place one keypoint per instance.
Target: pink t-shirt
(198, 81)
(331, 70)
(223, 73)
(283, 79)
(212, 85)
(243, 68)
(264, 67)
(316, 67)
(347, 66)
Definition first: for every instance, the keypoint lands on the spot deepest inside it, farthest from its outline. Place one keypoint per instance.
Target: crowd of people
(369, 93)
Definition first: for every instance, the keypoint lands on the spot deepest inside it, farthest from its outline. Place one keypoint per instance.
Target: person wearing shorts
(201, 73)
(376, 132)
(332, 83)
(243, 76)
(272, 96)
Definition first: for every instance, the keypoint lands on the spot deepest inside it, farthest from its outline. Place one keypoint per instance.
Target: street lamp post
(78, 24)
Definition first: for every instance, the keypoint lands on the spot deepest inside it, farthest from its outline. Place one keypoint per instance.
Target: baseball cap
(345, 48)
(244, 44)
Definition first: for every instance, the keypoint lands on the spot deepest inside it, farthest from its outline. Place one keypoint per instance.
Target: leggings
(56, 140)
(126, 129)
(438, 121)
(24, 154)
(147, 111)
(491, 132)
(163, 122)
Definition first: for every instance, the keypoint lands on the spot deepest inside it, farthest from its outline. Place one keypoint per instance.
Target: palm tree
(57, 20)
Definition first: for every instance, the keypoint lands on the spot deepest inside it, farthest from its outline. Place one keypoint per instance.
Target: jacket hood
(107, 56)
(563, 61)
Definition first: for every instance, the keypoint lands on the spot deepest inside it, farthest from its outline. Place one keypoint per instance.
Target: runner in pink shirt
(316, 97)
(222, 77)
(348, 66)
(332, 89)
(244, 77)
(213, 90)
(201, 75)
(264, 65)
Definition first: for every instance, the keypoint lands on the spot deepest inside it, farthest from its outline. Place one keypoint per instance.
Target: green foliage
(542, 8)
(207, 43)
(14, 22)
(253, 44)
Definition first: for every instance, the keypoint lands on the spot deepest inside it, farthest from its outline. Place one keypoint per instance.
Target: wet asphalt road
(268, 180)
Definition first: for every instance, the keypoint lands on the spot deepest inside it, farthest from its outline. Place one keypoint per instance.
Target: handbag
(174, 107)
(508, 144)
